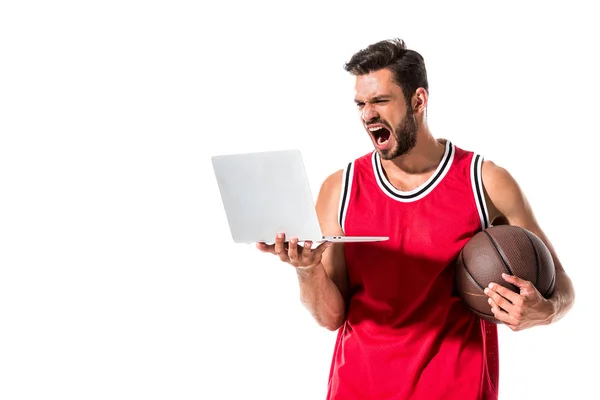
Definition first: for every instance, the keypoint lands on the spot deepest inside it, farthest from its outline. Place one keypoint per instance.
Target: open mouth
(381, 134)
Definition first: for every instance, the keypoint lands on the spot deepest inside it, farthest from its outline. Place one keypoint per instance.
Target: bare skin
(507, 204)
(322, 272)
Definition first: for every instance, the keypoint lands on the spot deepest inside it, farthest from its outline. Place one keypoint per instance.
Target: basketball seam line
(469, 273)
(537, 261)
(498, 251)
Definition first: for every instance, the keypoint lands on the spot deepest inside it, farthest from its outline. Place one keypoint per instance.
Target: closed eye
(361, 104)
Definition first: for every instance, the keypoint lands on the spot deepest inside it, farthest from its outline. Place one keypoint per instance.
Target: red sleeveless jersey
(407, 334)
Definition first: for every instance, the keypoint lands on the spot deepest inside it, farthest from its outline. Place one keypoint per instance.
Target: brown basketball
(504, 248)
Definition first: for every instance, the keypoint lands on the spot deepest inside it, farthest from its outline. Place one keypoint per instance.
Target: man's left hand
(522, 310)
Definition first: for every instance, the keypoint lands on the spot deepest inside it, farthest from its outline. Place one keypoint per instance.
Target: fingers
(307, 250)
(506, 305)
(293, 251)
(526, 288)
(279, 243)
(515, 280)
(313, 257)
(520, 310)
(280, 249)
(498, 301)
(494, 290)
(501, 314)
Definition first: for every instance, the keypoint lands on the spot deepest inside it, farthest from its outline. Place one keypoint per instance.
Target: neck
(423, 158)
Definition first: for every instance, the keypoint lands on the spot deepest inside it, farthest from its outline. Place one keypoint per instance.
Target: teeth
(376, 128)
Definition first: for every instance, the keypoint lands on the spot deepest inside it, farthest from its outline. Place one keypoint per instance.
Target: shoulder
(327, 203)
(497, 178)
(503, 193)
(335, 181)
(332, 185)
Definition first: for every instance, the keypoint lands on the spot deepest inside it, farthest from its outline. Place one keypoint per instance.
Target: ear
(419, 100)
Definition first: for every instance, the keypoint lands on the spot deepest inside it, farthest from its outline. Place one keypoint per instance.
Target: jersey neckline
(420, 191)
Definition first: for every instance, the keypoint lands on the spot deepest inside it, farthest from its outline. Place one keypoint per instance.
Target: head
(391, 92)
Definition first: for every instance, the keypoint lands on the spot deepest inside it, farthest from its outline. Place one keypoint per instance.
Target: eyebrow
(375, 98)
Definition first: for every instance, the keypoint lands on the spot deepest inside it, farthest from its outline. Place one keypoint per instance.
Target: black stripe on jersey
(342, 215)
(392, 192)
(479, 190)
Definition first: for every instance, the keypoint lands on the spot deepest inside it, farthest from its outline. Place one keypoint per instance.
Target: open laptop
(265, 193)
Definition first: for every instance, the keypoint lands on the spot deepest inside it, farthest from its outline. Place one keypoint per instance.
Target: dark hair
(407, 66)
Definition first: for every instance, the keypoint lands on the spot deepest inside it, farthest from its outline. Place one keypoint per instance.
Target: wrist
(308, 271)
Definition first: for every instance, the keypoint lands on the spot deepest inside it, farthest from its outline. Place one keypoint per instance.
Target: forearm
(321, 296)
(563, 297)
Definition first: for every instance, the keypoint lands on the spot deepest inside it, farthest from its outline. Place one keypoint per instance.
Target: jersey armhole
(476, 183)
(345, 194)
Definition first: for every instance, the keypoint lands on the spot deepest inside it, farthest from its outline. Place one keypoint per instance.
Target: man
(403, 332)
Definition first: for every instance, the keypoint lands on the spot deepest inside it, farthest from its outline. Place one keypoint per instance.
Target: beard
(405, 137)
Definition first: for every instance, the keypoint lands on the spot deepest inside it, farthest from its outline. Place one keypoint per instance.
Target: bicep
(327, 207)
(507, 203)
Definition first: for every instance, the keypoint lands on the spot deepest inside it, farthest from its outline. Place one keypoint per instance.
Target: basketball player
(403, 333)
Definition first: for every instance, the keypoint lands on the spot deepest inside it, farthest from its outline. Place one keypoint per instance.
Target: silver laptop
(268, 192)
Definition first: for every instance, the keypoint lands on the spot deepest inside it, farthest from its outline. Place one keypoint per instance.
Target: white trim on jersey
(421, 191)
(345, 191)
(478, 193)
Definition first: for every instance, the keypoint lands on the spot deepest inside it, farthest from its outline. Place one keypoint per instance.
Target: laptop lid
(265, 193)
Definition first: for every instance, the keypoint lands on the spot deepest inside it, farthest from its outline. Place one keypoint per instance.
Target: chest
(433, 228)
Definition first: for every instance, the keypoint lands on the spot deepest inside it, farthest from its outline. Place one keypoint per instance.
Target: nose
(369, 113)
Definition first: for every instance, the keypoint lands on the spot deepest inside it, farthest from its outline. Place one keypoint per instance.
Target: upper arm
(327, 207)
(508, 204)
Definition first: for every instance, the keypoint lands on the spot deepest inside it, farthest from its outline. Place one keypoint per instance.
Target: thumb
(322, 247)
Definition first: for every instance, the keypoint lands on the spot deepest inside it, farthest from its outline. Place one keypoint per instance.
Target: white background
(118, 276)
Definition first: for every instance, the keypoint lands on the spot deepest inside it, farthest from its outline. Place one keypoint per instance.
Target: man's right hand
(303, 257)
